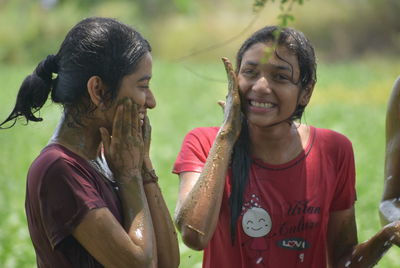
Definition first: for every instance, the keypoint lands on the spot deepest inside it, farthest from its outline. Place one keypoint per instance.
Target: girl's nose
(150, 100)
(261, 85)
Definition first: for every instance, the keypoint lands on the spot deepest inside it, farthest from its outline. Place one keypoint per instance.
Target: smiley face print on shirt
(256, 223)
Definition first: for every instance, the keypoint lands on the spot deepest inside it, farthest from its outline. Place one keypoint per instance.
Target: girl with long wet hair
(264, 189)
(92, 198)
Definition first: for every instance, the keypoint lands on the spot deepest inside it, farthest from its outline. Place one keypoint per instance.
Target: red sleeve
(194, 151)
(65, 196)
(345, 192)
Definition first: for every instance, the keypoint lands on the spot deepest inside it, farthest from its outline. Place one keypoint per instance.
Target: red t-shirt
(61, 188)
(286, 207)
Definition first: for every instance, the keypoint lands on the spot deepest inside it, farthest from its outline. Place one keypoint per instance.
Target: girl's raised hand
(146, 134)
(232, 110)
(124, 149)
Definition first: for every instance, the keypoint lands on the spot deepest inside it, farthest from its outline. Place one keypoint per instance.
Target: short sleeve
(194, 151)
(345, 192)
(65, 196)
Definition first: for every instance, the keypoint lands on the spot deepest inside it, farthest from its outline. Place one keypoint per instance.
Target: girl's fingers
(231, 83)
(222, 103)
(146, 134)
(228, 65)
(135, 117)
(106, 140)
(146, 128)
(127, 117)
(117, 124)
(139, 123)
(232, 79)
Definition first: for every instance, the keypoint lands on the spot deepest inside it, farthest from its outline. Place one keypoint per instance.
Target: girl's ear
(306, 94)
(96, 89)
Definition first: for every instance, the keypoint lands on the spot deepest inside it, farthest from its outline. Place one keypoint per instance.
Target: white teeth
(261, 104)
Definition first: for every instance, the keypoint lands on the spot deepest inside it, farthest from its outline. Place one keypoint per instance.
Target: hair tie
(51, 63)
(47, 67)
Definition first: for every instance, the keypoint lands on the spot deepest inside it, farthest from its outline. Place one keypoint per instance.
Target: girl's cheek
(139, 98)
(244, 84)
(243, 88)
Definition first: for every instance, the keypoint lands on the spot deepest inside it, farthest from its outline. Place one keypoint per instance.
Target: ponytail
(240, 167)
(34, 92)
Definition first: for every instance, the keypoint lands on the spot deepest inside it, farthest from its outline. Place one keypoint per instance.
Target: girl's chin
(257, 119)
(260, 122)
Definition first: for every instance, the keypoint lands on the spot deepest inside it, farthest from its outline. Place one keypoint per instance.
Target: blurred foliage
(352, 28)
(44, 25)
(285, 7)
(338, 28)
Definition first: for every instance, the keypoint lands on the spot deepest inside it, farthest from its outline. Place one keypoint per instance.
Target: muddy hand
(232, 111)
(146, 133)
(124, 148)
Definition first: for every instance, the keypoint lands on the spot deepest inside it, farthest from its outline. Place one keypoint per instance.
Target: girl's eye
(280, 77)
(144, 86)
(249, 72)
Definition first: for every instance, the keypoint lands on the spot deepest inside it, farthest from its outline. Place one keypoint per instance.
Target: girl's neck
(83, 140)
(278, 144)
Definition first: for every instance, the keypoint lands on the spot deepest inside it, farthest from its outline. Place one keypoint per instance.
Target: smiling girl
(87, 204)
(264, 190)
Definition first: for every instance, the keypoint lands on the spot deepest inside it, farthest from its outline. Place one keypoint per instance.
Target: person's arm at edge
(343, 248)
(389, 209)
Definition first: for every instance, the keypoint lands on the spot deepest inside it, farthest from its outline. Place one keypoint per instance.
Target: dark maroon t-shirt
(61, 188)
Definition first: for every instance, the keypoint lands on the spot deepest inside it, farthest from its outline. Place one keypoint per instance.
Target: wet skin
(147, 237)
(269, 93)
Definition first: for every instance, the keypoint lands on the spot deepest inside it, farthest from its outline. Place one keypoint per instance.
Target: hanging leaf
(285, 6)
(259, 4)
(285, 18)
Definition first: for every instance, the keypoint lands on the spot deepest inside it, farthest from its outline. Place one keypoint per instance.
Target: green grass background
(350, 97)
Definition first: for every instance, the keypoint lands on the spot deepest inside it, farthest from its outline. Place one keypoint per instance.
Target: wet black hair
(96, 46)
(298, 44)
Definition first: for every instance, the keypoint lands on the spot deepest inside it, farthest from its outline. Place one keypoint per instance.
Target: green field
(349, 97)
